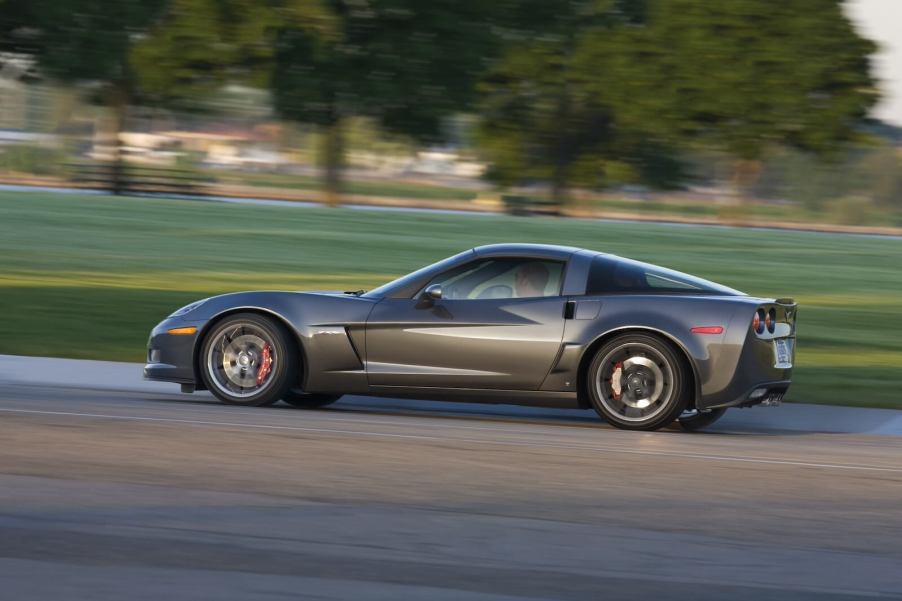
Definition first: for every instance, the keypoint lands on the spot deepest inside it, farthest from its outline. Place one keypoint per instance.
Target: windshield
(412, 278)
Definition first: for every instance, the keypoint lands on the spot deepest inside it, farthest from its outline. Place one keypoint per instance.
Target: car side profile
(522, 324)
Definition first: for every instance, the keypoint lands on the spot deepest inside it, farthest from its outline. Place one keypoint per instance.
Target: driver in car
(530, 279)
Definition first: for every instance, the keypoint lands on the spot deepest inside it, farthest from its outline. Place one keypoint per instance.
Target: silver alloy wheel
(634, 382)
(241, 361)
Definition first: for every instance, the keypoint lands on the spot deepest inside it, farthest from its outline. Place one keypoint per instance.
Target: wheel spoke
(636, 384)
(234, 360)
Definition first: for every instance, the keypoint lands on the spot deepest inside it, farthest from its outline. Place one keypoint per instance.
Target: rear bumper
(767, 393)
(756, 379)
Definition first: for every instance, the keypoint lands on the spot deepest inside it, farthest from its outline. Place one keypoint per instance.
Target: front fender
(329, 330)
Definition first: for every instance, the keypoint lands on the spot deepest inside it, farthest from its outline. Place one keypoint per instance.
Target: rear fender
(671, 318)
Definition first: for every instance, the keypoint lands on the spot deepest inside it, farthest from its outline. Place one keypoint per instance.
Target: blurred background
(755, 143)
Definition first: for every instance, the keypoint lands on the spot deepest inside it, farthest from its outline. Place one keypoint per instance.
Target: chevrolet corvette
(527, 324)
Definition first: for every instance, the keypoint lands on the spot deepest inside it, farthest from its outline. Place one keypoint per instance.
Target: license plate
(783, 353)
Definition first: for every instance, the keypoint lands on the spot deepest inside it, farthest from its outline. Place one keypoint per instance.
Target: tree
(882, 170)
(543, 119)
(89, 41)
(198, 46)
(743, 76)
(537, 120)
(404, 63)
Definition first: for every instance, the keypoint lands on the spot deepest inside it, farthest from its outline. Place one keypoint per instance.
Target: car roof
(551, 251)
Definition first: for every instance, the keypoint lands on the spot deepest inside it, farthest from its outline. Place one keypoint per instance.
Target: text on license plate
(783, 353)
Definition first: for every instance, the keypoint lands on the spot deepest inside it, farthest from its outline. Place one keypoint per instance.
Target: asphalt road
(145, 495)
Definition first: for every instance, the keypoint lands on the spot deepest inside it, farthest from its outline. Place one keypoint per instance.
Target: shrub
(852, 210)
(33, 159)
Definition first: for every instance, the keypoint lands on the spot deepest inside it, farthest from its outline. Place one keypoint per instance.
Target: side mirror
(433, 292)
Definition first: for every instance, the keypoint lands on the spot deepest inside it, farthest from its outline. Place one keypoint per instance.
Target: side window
(661, 280)
(609, 275)
(501, 278)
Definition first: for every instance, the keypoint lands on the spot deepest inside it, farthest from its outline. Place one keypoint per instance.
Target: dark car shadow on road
(508, 414)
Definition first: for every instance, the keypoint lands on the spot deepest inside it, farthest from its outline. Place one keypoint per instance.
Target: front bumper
(170, 357)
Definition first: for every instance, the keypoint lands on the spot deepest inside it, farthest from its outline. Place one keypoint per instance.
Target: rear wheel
(248, 359)
(694, 420)
(303, 400)
(638, 382)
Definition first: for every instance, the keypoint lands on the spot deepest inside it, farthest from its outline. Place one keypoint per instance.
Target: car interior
(502, 278)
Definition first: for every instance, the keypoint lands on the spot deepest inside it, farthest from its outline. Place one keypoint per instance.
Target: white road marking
(603, 449)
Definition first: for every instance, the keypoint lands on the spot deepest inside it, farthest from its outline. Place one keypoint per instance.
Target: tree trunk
(563, 152)
(559, 183)
(333, 162)
(745, 176)
(118, 104)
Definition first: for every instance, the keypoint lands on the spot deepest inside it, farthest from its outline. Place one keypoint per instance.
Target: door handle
(569, 309)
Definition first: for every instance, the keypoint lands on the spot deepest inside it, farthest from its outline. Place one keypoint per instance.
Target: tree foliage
(197, 46)
(405, 64)
(602, 87)
(544, 119)
(570, 92)
(90, 40)
(743, 76)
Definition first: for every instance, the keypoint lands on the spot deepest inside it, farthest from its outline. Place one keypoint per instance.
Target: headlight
(188, 308)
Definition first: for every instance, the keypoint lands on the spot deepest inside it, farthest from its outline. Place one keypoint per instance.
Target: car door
(483, 333)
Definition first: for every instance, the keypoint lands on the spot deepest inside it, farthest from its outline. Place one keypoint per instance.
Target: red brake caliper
(616, 387)
(265, 364)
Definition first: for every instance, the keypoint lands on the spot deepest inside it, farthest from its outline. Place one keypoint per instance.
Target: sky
(881, 21)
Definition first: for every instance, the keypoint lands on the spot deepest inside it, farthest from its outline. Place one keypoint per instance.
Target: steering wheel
(497, 291)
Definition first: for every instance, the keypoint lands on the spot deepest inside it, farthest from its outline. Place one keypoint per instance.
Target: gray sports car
(508, 323)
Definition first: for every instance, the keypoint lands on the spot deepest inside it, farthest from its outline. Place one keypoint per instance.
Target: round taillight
(771, 321)
(758, 321)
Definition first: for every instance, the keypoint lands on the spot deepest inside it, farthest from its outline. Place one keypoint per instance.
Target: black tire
(699, 421)
(303, 400)
(657, 385)
(235, 346)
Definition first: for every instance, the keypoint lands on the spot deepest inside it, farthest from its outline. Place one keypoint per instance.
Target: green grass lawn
(88, 276)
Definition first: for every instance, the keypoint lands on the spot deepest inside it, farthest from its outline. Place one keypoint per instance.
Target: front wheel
(248, 359)
(303, 400)
(638, 382)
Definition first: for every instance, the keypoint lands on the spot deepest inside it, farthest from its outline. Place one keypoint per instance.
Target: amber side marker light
(182, 331)
(707, 330)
